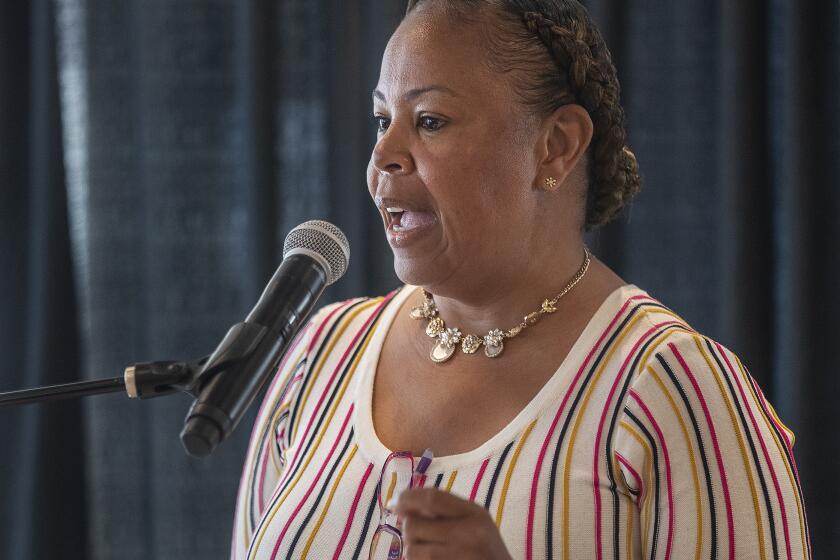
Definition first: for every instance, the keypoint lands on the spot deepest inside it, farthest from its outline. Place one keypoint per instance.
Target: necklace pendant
(493, 350)
(494, 343)
(470, 344)
(435, 327)
(417, 313)
(425, 311)
(441, 352)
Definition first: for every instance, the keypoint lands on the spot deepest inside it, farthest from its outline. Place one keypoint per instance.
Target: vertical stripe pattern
(649, 441)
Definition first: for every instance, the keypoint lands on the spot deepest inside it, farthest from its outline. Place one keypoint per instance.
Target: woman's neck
(502, 300)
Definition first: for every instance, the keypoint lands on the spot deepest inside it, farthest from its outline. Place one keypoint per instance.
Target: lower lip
(405, 237)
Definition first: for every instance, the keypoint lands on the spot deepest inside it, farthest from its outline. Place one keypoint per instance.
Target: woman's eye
(381, 123)
(431, 123)
(426, 122)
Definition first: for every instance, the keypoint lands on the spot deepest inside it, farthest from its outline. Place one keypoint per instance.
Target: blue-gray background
(153, 155)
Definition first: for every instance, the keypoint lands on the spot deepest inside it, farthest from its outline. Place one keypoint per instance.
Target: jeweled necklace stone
(449, 338)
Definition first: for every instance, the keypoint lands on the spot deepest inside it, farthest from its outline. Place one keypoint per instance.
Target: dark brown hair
(560, 58)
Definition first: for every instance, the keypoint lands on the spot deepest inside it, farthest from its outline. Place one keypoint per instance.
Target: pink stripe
(639, 484)
(277, 376)
(718, 456)
(325, 322)
(314, 483)
(478, 479)
(766, 409)
(661, 437)
(790, 450)
(529, 541)
(362, 330)
(352, 513)
(257, 423)
(763, 449)
(597, 448)
(257, 428)
(267, 449)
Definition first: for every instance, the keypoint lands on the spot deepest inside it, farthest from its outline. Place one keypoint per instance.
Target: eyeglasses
(398, 474)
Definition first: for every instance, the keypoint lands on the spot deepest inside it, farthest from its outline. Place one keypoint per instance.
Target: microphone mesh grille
(325, 240)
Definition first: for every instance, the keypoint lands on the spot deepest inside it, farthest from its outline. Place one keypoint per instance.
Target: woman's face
(454, 165)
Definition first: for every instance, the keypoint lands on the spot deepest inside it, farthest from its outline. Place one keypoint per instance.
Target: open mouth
(395, 217)
(400, 219)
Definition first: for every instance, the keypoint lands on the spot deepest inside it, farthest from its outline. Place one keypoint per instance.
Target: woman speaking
(515, 398)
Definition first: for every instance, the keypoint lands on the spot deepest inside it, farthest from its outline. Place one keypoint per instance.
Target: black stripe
(620, 400)
(365, 528)
(336, 388)
(753, 450)
(438, 480)
(311, 361)
(654, 449)
(269, 427)
(549, 532)
(313, 506)
(496, 471)
(790, 459)
(701, 447)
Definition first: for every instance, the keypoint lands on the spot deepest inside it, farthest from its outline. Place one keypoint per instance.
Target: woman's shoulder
(678, 350)
(348, 319)
(688, 368)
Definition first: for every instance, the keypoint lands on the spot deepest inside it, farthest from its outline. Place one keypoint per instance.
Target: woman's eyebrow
(412, 94)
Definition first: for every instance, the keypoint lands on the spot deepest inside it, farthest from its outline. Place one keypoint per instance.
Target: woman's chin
(416, 271)
(410, 273)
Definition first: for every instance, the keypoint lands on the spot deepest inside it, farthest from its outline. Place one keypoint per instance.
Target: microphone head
(323, 242)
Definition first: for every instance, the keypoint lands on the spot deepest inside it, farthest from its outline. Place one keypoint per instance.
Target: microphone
(315, 254)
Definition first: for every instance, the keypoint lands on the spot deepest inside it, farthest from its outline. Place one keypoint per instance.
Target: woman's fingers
(434, 503)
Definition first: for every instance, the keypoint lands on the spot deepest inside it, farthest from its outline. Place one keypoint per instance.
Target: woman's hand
(437, 524)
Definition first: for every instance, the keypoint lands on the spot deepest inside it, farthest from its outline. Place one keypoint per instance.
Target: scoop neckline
(374, 450)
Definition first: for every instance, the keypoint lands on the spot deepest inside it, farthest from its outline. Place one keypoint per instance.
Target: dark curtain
(153, 155)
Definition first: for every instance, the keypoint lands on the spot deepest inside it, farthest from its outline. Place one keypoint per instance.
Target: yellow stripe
(509, 473)
(327, 352)
(267, 520)
(391, 486)
(284, 406)
(253, 461)
(567, 471)
(644, 514)
(791, 477)
(451, 480)
(736, 429)
(694, 474)
(782, 425)
(328, 502)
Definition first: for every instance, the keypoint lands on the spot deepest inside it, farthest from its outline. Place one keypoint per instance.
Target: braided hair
(560, 58)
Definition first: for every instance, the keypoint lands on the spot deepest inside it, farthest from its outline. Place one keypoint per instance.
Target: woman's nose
(391, 154)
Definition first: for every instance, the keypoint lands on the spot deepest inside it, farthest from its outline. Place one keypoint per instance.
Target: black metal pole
(63, 391)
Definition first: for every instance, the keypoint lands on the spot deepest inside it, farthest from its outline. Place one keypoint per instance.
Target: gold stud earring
(550, 183)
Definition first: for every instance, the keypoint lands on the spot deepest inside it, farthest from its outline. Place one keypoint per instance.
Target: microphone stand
(144, 381)
(203, 427)
(156, 379)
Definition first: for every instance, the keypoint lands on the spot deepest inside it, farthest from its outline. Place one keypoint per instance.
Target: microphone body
(316, 255)
(251, 352)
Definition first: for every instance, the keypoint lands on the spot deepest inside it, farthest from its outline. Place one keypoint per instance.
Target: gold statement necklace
(448, 338)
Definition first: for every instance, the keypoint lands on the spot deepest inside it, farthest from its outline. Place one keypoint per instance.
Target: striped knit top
(649, 441)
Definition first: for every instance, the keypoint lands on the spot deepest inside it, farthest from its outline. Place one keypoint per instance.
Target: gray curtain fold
(154, 154)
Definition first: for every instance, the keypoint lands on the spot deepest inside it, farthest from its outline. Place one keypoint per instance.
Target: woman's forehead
(428, 50)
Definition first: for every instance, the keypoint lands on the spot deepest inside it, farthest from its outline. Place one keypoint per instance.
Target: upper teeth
(394, 210)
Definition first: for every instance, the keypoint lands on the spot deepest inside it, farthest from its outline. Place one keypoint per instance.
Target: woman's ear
(566, 136)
